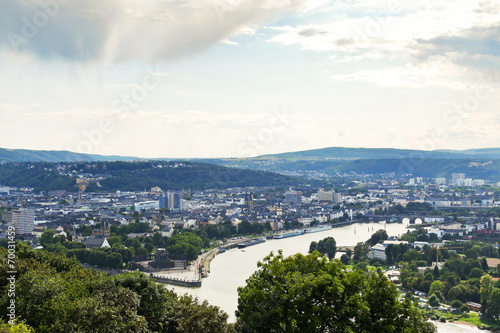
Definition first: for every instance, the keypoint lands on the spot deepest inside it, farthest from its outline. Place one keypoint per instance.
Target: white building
(441, 181)
(438, 232)
(455, 177)
(24, 221)
(146, 205)
(439, 202)
(378, 252)
(325, 196)
(478, 182)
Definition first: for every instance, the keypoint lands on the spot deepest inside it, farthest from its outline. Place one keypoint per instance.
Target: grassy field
(471, 317)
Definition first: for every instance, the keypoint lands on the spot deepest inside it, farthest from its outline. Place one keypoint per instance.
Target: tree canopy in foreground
(56, 294)
(310, 294)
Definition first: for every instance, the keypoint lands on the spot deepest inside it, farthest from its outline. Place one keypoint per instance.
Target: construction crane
(445, 248)
(82, 186)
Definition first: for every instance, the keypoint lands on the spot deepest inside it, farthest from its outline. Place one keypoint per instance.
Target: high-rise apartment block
(337, 197)
(456, 177)
(171, 200)
(23, 221)
(325, 196)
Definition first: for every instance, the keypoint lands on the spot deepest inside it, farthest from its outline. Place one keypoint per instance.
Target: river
(229, 270)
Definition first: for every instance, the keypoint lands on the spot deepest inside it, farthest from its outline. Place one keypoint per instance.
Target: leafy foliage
(56, 294)
(326, 246)
(310, 294)
(187, 243)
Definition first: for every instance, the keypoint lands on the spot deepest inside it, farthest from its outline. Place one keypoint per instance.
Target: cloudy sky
(233, 78)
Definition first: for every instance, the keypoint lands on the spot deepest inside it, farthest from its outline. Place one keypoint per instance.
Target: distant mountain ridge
(326, 162)
(329, 153)
(383, 153)
(27, 155)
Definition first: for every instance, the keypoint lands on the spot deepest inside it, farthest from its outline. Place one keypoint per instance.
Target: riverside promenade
(198, 269)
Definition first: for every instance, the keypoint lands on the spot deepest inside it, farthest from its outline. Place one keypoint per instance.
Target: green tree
(136, 244)
(456, 304)
(16, 328)
(56, 294)
(390, 253)
(471, 254)
(484, 264)
(379, 236)
(456, 293)
(493, 309)
(326, 246)
(245, 228)
(433, 300)
(436, 286)
(361, 251)
(486, 286)
(202, 317)
(344, 259)
(313, 246)
(476, 273)
(114, 241)
(47, 237)
(436, 272)
(310, 294)
(412, 255)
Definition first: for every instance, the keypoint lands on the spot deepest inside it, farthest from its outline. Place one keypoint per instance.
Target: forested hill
(134, 176)
(473, 168)
(383, 153)
(26, 155)
(330, 153)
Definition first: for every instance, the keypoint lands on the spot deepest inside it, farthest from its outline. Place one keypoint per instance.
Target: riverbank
(231, 269)
(200, 268)
(456, 327)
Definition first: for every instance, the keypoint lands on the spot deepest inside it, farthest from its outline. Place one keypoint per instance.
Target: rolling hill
(328, 162)
(26, 155)
(135, 176)
(383, 153)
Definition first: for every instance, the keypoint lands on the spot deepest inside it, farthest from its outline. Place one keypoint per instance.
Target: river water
(229, 270)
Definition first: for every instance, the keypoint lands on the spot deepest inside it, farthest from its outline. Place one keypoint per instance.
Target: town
(458, 206)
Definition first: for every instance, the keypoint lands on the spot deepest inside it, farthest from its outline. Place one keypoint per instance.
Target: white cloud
(418, 75)
(89, 30)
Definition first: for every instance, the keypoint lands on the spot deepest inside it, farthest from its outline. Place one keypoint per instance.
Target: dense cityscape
(172, 235)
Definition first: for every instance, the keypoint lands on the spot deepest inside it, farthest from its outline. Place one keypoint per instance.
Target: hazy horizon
(243, 157)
